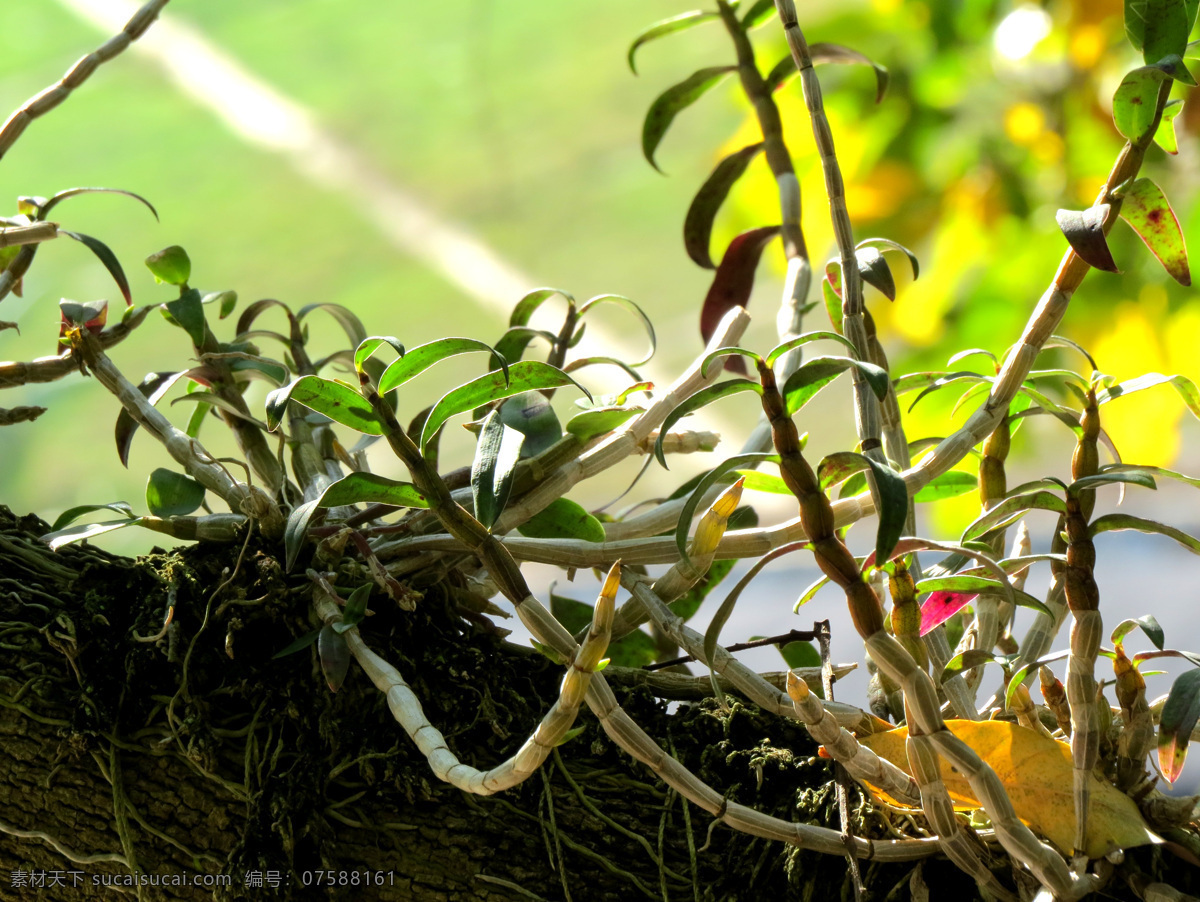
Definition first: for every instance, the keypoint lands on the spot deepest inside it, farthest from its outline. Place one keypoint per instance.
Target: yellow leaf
(1037, 774)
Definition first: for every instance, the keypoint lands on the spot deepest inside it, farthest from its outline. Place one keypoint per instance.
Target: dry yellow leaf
(1036, 772)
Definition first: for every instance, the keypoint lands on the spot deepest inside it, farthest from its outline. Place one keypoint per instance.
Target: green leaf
(171, 494)
(637, 649)
(781, 349)
(153, 387)
(833, 304)
(226, 301)
(299, 644)
(838, 467)
(760, 12)
(563, 519)
(698, 224)
(70, 515)
(368, 346)
(719, 353)
(1164, 135)
(1162, 472)
(712, 477)
(370, 488)
(422, 357)
(627, 304)
(512, 344)
(948, 485)
(828, 53)
(754, 481)
(355, 609)
(1148, 625)
(61, 537)
(493, 469)
(106, 257)
(1011, 509)
(818, 372)
(800, 654)
(1131, 477)
(1145, 208)
(335, 657)
(332, 399)
(295, 531)
(171, 265)
(43, 209)
(527, 305)
(573, 615)
(1115, 522)
(1135, 103)
(187, 312)
(665, 27)
(969, 660)
(1179, 716)
(700, 399)
(1164, 29)
(676, 98)
(527, 375)
(587, 425)
(887, 244)
(1084, 230)
(1187, 389)
(1019, 676)
(530, 414)
(893, 504)
(351, 324)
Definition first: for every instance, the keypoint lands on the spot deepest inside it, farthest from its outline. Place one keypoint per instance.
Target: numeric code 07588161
(348, 878)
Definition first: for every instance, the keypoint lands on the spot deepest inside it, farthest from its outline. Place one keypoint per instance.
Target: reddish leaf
(733, 282)
(1085, 232)
(1147, 211)
(941, 606)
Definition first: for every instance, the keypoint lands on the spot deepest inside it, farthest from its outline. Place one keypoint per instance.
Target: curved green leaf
(1116, 522)
(355, 609)
(815, 374)
(527, 375)
(44, 209)
(887, 244)
(754, 481)
(970, 659)
(1148, 625)
(828, 53)
(1130, 477)
(676, 98)
(838, 467)
(700, 399)
(1084, 231)
(563, 519)
(1011, 509)
(171, 265)
(1145, 208)
(72, 514)
(335, 400)
(335, 656)
(698, 224)
(171, 494)
(295, 532)
(153, 387)
(1019, 676)
(299, 644)
(1164, 135)
(368, 346)
(61, 537)
(527, 305)
(344, 317)
(760, 12)
(531, 415)
(627, 304)
(726, 352)
(893, 508)
(781, 349)
(1187, 389)
(107, 257)
(665, 27)
(422, 357)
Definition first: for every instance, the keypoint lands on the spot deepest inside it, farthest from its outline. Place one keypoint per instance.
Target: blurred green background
(519, 121)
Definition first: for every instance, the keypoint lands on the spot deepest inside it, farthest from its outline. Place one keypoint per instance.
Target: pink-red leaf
(1147, 211)
(941, 606)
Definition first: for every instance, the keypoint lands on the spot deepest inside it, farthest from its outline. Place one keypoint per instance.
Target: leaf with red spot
(1147, 211)
(733, 282)
(941, 606)
(1179, 716)
(1085, 232)
(1135, 104)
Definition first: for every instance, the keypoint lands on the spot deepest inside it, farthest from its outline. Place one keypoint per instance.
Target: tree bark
(217, 771)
